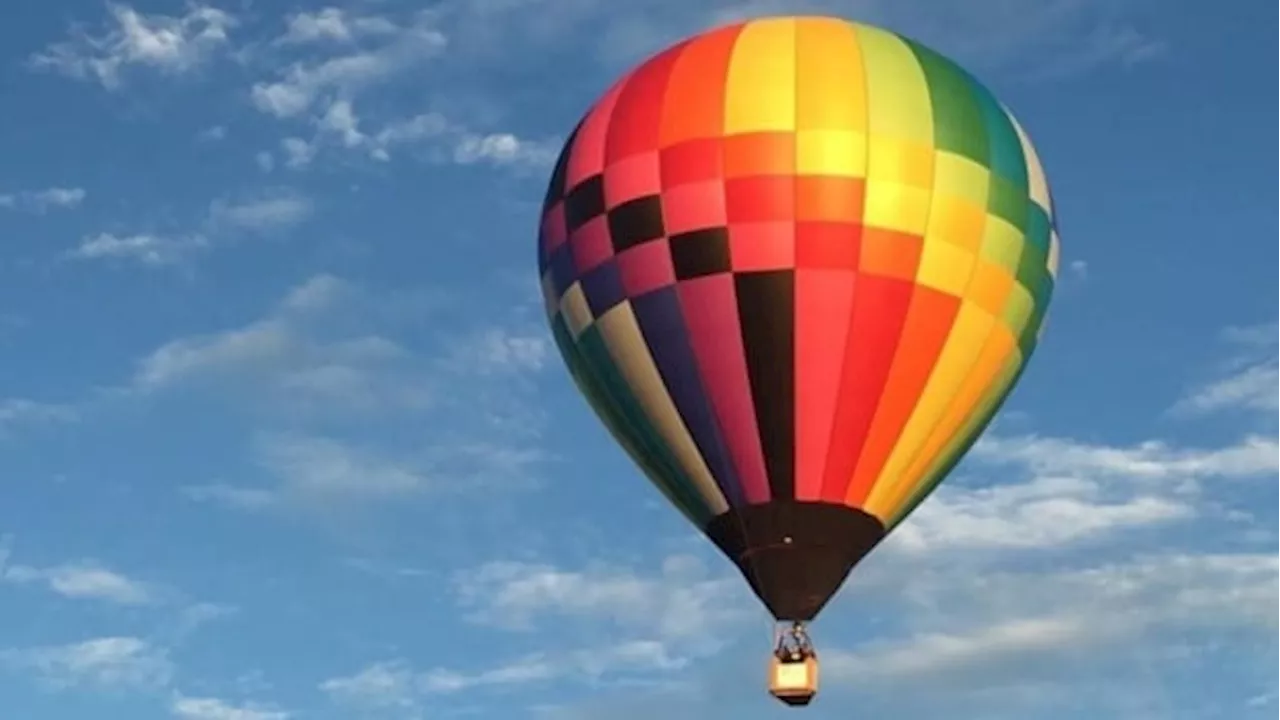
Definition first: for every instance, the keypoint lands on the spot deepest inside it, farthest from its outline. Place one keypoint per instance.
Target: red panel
(925, 332)
(831, 245)
(824, 299)
(760, 199)
(637, 117)
(587, 156)
(762, 246)
(879, 310)
(693, 161)
(694, 103)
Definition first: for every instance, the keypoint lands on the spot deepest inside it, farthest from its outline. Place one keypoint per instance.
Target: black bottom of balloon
(794, 554)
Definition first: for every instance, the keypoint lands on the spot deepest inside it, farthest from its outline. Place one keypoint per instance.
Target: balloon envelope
(795, 265)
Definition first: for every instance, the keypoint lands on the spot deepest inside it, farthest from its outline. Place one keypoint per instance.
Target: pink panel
(693, 207)
(762, 246)
(590, 244)
(710, 310)
(634, 177)
(554, 230)
(646, 267)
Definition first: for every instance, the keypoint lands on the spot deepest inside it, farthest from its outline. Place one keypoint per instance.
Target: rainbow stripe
(797, 258)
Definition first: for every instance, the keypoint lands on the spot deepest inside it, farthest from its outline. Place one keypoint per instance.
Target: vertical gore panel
(766, 310)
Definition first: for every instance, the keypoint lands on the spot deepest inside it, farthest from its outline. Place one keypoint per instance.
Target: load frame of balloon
(795, 265)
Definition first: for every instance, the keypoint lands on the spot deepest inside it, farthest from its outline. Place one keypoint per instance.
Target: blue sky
(284, 436)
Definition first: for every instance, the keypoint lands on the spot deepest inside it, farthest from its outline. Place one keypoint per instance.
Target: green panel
(1007, 159)
(958, 125)
(1008, 201)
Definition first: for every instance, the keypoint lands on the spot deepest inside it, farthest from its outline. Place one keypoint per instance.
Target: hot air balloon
(795, 265)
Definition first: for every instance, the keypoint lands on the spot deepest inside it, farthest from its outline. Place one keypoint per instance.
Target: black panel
(766, 312)
(795, 555)
(700, 252)
(636, 221)
(585, 201)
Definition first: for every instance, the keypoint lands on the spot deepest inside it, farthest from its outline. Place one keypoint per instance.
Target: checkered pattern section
(797, 258)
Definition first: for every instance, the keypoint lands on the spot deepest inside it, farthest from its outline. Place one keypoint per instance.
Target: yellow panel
(957, 221)
(830, 91)
(954, 366)
(831, 152)
(621, 334)
(892, 160)
(960, 177)
(994, 354)
(897, 94)
(577, 313)
(1017, 309)
(944, 266)
(896, 507)
(893, 206)
(989, 287)
(1002, 243)
(760, 94)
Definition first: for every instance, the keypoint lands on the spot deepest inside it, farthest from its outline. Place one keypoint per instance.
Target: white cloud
(1045, 512)
(169, 44)
(332, 24)
(213, 133)
(271, 210)
(16, 411)
(345, 76)
(327, 467)
(145, 248)
(1253, 388)
(262, 341)
(498, 350)
(1251, 380)
(1150, 460)
(297, 152)
(939, 652)
(85, 580)
(208, 708)
(434, 137)
(395, 684)
(41, 201)
(382, 685)
(683, 602)
(115, 663)
(241, 498)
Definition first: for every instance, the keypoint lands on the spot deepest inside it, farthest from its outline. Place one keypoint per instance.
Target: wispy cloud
(210, 708)
(83, 581)
(333, 24)
(170, 44)
(22, 411)
(345, 75)
(275, 209)
(1250, 379)
(41, 201)
(144, 248)
(111, 663)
